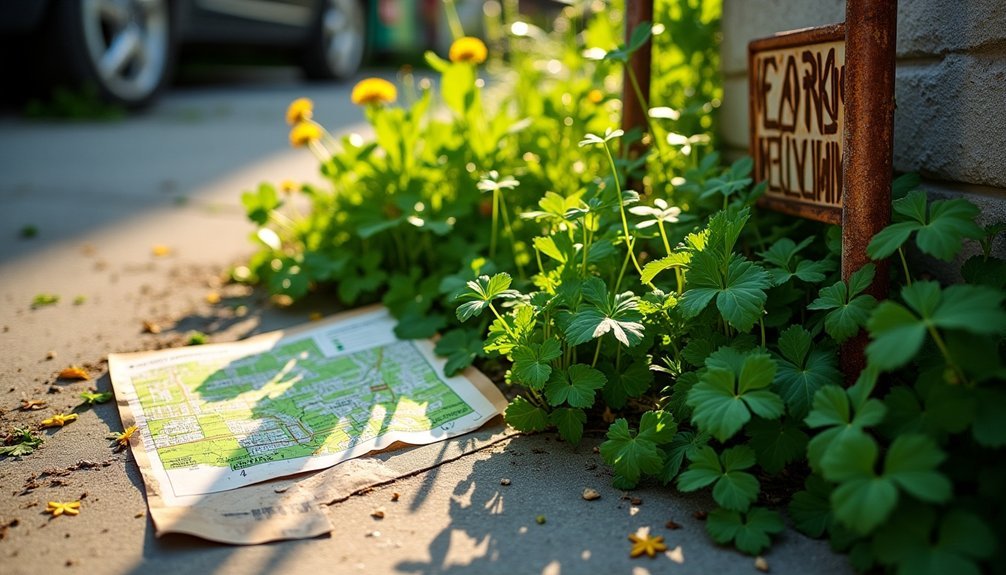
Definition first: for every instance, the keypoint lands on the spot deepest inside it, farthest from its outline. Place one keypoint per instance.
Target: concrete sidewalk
(102, 195)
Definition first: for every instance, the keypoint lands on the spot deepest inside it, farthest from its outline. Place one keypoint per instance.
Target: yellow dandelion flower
(59, 420)
(304, 133)
(373, 91)
(595, 96)
(120, 440)
(468, 49)
(289, 186)
(57, 508)
(300, 110)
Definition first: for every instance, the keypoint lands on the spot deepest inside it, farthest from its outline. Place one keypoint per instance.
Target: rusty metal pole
(633, 111)
(870, 36)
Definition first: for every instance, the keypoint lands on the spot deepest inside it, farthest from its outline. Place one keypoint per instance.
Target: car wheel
(125, 48)
(338, 41)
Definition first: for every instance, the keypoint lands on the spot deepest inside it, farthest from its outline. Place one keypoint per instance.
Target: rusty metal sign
(797, 111)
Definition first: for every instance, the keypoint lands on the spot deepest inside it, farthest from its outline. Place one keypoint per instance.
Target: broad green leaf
(897, 336)
(618, 316)
(631, 381)
(532, 362)
(888, 240)
(461, 347)
(714, 400)
(547, 246)
(911, 463)
(833, 410)
(863, 499)
(749, 531)
(810, 509)
(898, 332)
(481, 292)
(802, 372)
(675, 260)
(732, 487)
(630, 456)
(849, 310)
(776, 443)
(989, 428)
(525, 416)
(569, 422)
(950, 221)
(742, 300)
(575, 385)
(685, 443)
(657, 426)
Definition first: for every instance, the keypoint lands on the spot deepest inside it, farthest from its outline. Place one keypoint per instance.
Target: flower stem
(495, 228)
(597, 352)
(513, 238)
(904, 267)
(506, 326)
(621, 209)
(453, 21)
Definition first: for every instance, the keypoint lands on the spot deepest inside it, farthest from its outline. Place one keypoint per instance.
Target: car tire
(338, 44)
(126, 50)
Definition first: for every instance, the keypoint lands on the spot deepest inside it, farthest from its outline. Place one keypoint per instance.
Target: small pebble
(761, 564)
(395, 496)
(374, 534)
(672, 525)
(504, 481)
(50, 355)
(700, 515)
(540, 520)
(377, 513)
(635, 501)
(596, 449)
(590, 494)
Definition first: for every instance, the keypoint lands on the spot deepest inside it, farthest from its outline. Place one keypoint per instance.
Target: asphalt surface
(101, 195)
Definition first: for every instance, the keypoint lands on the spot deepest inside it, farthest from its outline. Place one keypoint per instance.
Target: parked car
(127, 48)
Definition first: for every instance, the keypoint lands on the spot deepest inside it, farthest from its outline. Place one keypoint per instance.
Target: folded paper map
(214, 418)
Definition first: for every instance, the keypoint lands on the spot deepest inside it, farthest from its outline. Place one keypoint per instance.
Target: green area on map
(290, 402)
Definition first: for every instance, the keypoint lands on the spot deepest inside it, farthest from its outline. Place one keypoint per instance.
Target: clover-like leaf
(733, 488)
(750, 532)
(532, 362)
(460, 347)
(740, 293)
(898, 332)
(810, 509)
(940, 233)
(601, 314)
(569, 422)
(842, 414)
(776, 442)
(918, 542)
(849, 310)
(629, 454)
(802, 371)
(631, 381)
(864, 499)
(575, 385)
(731, 376)
(526, 416)
(481, 292)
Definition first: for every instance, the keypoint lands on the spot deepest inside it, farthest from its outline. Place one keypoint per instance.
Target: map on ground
(222, 416)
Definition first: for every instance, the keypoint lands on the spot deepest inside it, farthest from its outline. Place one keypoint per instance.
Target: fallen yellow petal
(74, 372)
(213, 298)
(160, 250)
(59, 420)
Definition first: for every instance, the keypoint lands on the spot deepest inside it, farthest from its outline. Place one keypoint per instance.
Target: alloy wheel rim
(127, 43)
(342, 35)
